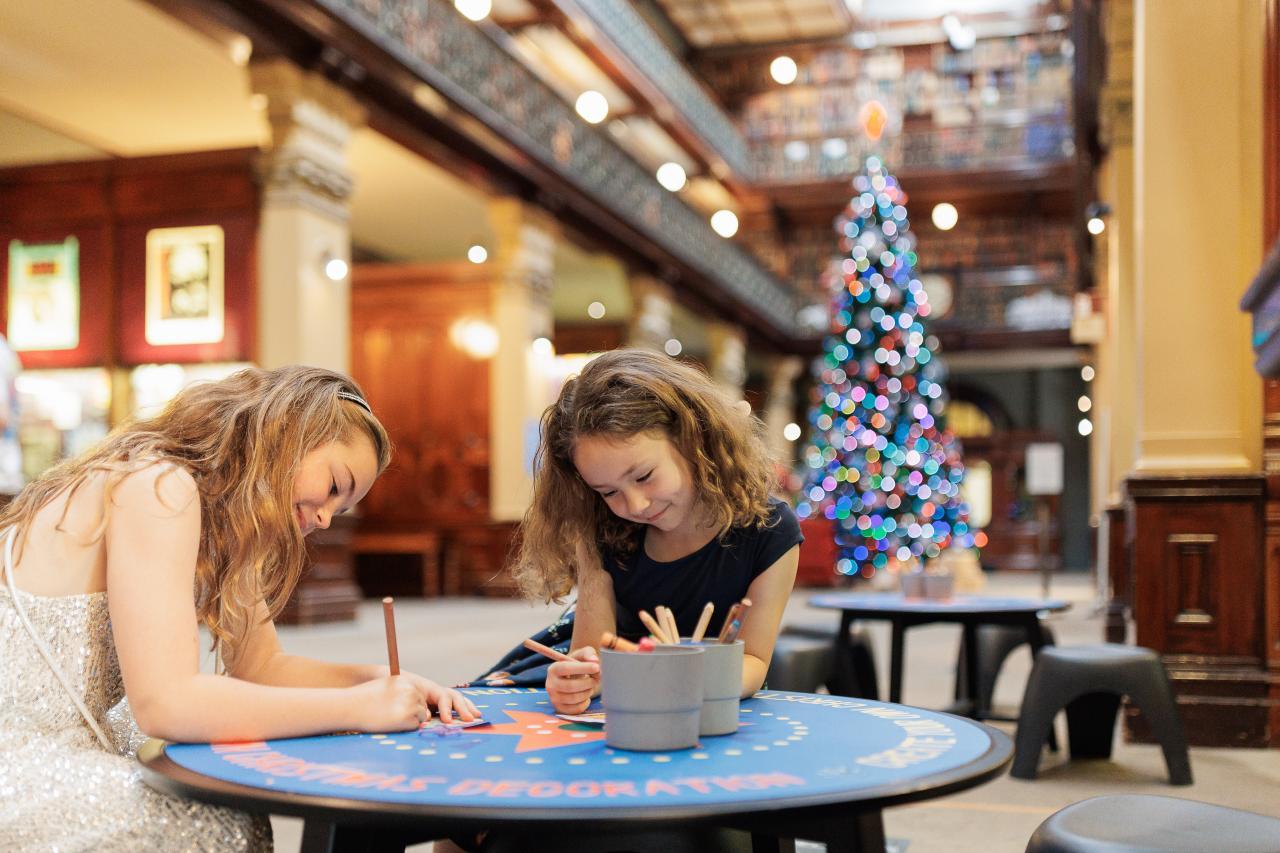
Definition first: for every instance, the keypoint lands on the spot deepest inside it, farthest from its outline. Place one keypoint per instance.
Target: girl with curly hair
(653, 488)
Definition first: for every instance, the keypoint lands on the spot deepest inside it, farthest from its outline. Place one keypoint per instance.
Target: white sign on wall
(1044, 468)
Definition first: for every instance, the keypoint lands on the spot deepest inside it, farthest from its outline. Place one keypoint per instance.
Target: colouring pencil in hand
(389, 617)
(535, 646)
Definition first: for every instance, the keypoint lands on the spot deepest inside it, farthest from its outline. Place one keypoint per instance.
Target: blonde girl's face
(332, 479)
(642, 478)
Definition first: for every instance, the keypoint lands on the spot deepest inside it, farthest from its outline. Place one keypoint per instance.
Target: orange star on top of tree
(541, 731)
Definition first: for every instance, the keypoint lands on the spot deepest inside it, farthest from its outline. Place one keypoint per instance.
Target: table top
(887, 604)
(792, 750)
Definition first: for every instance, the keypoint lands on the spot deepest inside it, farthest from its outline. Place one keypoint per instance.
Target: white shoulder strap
(44, 649)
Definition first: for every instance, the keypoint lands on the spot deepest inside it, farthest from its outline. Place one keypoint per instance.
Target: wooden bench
(425, 544)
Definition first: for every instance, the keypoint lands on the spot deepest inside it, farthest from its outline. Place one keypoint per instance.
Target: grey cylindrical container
(721, 685)
(652, 700)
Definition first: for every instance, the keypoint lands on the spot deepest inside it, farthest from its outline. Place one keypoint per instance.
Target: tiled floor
(452, 640)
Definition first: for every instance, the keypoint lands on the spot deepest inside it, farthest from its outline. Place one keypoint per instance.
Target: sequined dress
(60, 789)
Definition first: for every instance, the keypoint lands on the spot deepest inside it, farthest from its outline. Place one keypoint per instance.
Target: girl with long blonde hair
(111, 562)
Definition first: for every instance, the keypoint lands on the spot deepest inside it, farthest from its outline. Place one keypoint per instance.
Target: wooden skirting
(1199, 588)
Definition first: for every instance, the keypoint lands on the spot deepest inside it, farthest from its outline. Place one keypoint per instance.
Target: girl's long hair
(241, 439)
(620, 394)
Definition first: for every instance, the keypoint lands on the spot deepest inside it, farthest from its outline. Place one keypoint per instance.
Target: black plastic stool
(1133, 823)
(995, 644)
(1089, 681)
(805, 658)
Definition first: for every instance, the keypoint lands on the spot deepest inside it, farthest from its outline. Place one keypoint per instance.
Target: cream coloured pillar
(1114, 386)
(303, 315)
(1198, 240)
(728, 356)
(520, 372)
(651, 315)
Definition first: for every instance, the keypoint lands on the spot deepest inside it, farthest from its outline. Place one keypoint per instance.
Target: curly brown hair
(620, 394)
(241, 439)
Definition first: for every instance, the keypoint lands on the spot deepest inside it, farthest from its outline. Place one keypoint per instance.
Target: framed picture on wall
(185, 285)
(44, 295)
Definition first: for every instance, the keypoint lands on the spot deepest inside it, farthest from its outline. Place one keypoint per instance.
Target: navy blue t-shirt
(719, 572)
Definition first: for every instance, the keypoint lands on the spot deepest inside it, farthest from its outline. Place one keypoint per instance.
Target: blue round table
(969, 611)
(800, 766)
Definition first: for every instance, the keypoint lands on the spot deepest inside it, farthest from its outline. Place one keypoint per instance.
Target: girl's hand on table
(445, 700)
(390, 704)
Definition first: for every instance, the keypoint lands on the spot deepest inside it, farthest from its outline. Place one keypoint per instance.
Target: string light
(783, 70)
(592, 106)
(474, 10)
(595, 310)
(724, 223)
(945, 216)
(673, 347)
(477, 254)
(672, 176)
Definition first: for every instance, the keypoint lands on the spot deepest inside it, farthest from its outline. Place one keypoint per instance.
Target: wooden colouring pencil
(669, 623)
(389, 617)
(654, 627)
(728, 622)
(738, 619)
(535, 646)
(703, 621)
(610, 640)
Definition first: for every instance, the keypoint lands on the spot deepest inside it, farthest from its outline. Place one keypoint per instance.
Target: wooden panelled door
(431, 395)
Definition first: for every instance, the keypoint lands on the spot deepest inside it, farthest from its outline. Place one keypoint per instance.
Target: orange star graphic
(540, 731)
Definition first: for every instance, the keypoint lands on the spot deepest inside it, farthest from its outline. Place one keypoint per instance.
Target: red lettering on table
(775, 780)
(248, 746)
(470, 787)
(583, 789)
(657, 786)
(421, 783)
(545, 789)
(620, 789)
(509, 788)
(698, 784)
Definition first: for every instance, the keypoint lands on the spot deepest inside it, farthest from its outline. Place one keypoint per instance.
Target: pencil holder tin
(652, 700)
(721, 685)
(938, 587)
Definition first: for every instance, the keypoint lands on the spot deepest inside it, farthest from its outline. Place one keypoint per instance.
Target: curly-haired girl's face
(642, 478)
(332, 479)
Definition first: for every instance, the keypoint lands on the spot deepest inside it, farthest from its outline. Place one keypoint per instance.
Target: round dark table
(969, 611)
(800, 766)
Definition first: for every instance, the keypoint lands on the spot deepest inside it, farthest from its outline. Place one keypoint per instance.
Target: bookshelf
(1006, 100)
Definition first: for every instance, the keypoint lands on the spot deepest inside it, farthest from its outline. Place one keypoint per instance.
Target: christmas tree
(880, 464)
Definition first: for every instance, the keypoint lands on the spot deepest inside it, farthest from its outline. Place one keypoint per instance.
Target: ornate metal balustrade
(619, 22)
(463, 63)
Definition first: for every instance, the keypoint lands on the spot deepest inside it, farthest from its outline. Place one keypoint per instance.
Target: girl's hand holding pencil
(572, 682)
(402, 701)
